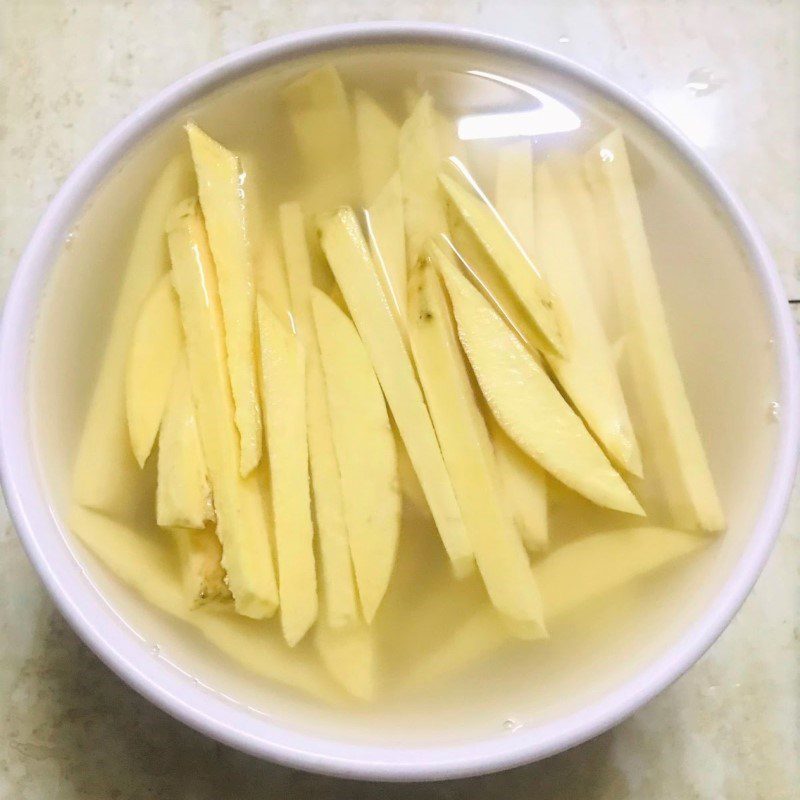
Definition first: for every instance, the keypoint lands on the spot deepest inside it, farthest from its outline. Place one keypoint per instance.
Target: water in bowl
(701, 269)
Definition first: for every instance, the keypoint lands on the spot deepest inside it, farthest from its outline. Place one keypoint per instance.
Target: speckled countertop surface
(728, 73)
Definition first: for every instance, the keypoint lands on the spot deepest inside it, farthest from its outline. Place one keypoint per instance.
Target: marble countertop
(727, 73)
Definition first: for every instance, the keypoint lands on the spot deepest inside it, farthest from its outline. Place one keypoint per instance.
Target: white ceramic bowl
(748, 339)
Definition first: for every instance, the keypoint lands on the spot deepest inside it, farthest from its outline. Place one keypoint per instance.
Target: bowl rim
(26, 501)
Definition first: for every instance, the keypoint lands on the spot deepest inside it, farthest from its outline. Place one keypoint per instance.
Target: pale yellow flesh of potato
(526, 403)
(446, 128)
(662, 496)
(669, 423)
(200, 555)
(351, 262)
(387, 242)
(348, 654)
(569, 578)
(365, 452)
(512, 263)
(148, 562)
(474, 639)
(523, 480)
(569, 175)
(324, 129)
(513, 192)
(253, 184)
(271, 282)
(183, 493)
(524, 486)
(222, 200)
(321, 274)
(468, 454)
(283, 398)
(341, 605)
(471, 254)
(145, 559)
(106, 468)
(409, 482)
(514, 203)
(618, 349)
(376, 135)
(586, 568)
(321, 119)
(242, 522)
(419, 159)
(588, 376)
(154, 350)
(336, 295)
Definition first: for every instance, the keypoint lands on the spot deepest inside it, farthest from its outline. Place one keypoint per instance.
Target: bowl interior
(721, 327)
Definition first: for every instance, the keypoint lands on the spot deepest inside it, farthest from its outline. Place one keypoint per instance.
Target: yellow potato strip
(242, 521)
(222, 200)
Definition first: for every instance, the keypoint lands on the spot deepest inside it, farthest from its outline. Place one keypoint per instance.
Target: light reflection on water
(548, 115)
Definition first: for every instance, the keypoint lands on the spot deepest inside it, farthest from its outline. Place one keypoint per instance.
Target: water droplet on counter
(703, 81)
(773, 411)
(710, 691)
(564, 39)
(155, 650)
(771, 342)
(69, 239)
(606, 155)
(511, 725)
